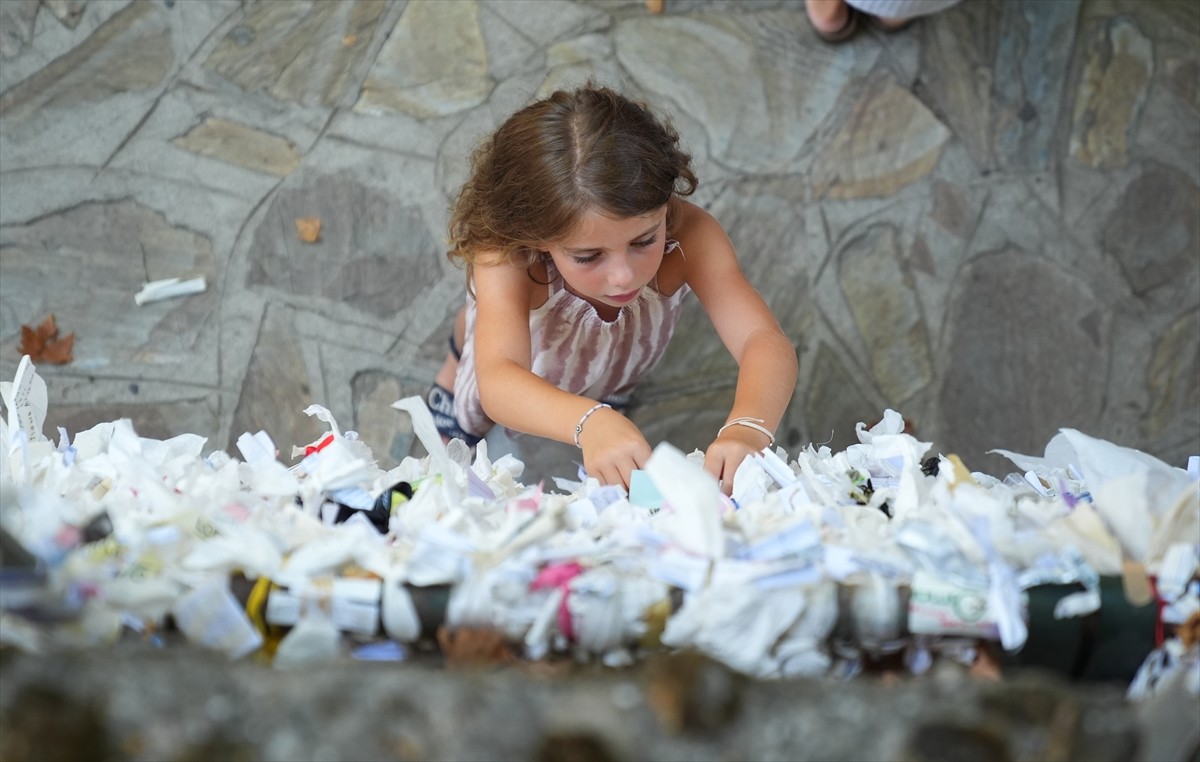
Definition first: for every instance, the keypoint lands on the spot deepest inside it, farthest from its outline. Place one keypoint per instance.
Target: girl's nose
(621, 272)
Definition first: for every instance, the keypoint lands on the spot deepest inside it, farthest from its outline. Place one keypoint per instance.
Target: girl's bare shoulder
(700, 237)
(692, 223)
(495, 275)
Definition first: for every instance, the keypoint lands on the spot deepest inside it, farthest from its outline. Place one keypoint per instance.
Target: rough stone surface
(1155, 232)
(997, 391)
(129, 52)
(1029, 81)
(119, 245)
(161, 420)
(430, 75)
(833, 396)
(754, 124)
(68, 12)
(673, 708)
(689, 422)
(1118, 70)
(988, 219)
(957, 72)
(306, 52)
(355, 260)
(275, 387)
(1172, 379)
(16, 31)
(887, 141)
(242, 145)
(384, 430)
(880, 293)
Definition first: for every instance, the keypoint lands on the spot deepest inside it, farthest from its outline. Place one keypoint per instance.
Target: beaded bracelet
(579, 426)
(753, 423)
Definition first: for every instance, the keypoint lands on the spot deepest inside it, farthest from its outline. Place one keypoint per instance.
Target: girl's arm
(513, 396)
(766, 358)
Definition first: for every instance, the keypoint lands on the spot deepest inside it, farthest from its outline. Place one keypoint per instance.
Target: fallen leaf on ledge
(43, 345)
(308, 229)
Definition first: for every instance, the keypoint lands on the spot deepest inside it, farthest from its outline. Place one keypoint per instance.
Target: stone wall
(989, 221)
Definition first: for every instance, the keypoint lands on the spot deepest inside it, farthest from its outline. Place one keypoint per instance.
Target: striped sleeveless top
(577, 350)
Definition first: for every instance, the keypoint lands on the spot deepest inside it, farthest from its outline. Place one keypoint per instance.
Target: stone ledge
(133, 702)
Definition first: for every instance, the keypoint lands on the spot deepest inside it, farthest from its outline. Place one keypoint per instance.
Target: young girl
(579, 250)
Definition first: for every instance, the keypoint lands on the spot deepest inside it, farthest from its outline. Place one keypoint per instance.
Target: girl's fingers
(723, 465)
(639, 460)
(620, 473)
(715, 465)
(726, 482)
(609, 476)
(627, 472)
(612, 475)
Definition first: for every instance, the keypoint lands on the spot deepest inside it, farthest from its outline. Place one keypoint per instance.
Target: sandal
(440, 402)
(846, 31)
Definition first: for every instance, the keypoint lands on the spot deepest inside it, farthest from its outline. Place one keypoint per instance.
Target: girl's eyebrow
(584, 249)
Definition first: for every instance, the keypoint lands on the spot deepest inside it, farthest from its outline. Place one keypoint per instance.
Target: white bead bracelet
(752, 423)
(579, 426)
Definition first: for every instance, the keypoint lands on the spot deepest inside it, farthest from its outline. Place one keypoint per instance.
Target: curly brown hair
(554, 160)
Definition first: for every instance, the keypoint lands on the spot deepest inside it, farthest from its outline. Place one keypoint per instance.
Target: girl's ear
(534, 256)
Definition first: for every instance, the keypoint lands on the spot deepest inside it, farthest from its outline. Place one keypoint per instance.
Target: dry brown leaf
(308, 229)
(59, 352)
(987, 663)
(43, 345)
(31, 344)
(469, 647)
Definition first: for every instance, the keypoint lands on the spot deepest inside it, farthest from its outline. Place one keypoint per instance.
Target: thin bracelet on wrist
(751, 423)
(584, 417)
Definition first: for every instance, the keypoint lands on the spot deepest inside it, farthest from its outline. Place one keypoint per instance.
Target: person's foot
(832, 20)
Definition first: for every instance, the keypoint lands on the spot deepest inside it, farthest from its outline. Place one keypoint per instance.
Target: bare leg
(891, 24)
(449, 369)
(827, 16)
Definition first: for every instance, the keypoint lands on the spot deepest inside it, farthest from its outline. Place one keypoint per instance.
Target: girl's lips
(623, 298)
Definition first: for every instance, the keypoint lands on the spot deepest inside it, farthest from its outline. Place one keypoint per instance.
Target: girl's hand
(612, 447)
(729, 449)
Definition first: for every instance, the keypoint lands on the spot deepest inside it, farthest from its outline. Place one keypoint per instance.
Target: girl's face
(609, 261)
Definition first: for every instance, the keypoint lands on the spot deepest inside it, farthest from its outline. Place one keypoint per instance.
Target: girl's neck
(606, 312)
(543, 274)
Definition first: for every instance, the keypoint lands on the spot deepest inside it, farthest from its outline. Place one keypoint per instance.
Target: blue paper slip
(642, 491)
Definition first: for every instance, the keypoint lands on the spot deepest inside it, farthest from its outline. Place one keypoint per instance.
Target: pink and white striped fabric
(576, 350)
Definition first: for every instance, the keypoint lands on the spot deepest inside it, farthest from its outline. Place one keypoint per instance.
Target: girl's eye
(588, 259)
(646, 242)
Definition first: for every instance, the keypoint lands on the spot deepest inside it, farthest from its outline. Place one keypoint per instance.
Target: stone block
(1027, 352)
(887, 140)
(427, 75)
(313, 53)
(374, 254)
(1111, 92)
